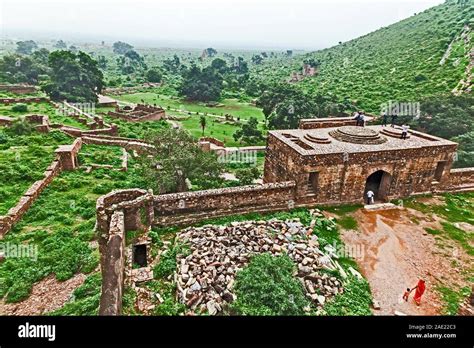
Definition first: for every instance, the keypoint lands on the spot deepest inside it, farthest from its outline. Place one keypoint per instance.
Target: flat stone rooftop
(352, 139)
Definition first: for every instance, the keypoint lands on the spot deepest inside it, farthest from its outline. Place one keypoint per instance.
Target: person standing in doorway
(370, 197)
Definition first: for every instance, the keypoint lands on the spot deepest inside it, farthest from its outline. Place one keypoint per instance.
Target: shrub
(20, 107)
(267, 287)
(20, 127)
(167, 263)
(355, 300)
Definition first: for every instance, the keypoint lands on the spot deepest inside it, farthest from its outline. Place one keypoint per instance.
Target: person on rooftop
(405, 131)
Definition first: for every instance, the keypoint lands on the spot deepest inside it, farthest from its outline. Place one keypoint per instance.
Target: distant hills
(427, 54)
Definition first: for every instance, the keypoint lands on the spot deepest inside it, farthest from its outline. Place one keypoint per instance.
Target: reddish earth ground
(47, 295)
(397, 252)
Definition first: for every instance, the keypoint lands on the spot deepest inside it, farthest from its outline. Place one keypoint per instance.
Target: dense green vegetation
(399, 62)
(266, 286)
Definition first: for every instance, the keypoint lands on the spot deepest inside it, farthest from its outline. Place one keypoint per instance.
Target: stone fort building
(332, 161)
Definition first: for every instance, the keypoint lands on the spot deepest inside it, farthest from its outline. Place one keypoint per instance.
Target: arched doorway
(379, 183)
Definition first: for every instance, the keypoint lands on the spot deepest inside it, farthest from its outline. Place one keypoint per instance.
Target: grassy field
(227, 106)
(23, 159)
(61, 224)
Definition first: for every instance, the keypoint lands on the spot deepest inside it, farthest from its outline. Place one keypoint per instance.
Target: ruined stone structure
(139, 113)
(66, 159)
(67, 154)
(340, 164)
(327, 161)
(8, 101)
(18, 89)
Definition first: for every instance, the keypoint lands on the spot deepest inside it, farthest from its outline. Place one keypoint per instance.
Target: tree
(120, 47)
(465, 150)
(446, 116)
(219, 65)
(266, 286)
(177, 158)
(41, 56)
(75, 77)
(154, 75)
(210, 52)
(102, 62)
(201, 85)
(241, 66)
(15, 68)
(172, 65)
(246, 176)
(257, 59)
(26, 47)
(202, 122)
(60, 44)
(249, 132)
(284, 105)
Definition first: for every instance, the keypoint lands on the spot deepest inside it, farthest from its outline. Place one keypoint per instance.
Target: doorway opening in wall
(439, 170)
(139, 255)
(379, 183)
(313, 178)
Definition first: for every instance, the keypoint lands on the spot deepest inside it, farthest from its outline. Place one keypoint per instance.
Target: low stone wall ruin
(8, 101)
(18, 89)
(66, 159)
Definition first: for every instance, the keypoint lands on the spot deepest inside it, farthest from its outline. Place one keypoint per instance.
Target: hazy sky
(293, 24)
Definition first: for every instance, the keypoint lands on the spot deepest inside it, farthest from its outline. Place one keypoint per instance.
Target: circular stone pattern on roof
(358, 135)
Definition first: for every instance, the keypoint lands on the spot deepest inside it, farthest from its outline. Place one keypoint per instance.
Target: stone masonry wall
(8, 101)
(188, 207)
(112, 262)
(459, 179)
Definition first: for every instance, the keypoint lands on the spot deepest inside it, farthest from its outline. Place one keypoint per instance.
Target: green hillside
(402, 62)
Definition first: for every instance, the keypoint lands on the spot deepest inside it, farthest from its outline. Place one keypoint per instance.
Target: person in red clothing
(420, 289)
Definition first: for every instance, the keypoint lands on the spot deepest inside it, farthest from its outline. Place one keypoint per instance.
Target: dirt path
(398, 252)
(47, 295)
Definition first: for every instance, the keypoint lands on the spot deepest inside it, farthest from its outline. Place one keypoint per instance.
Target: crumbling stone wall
(15, 213)
(8, 101)
(66, 159)
(459, 179)
(112, 262)
(18, 89)
(329, 122)
(139, 113)
(127, 143)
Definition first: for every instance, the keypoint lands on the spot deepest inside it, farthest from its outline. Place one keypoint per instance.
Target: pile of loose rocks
(206, 276)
